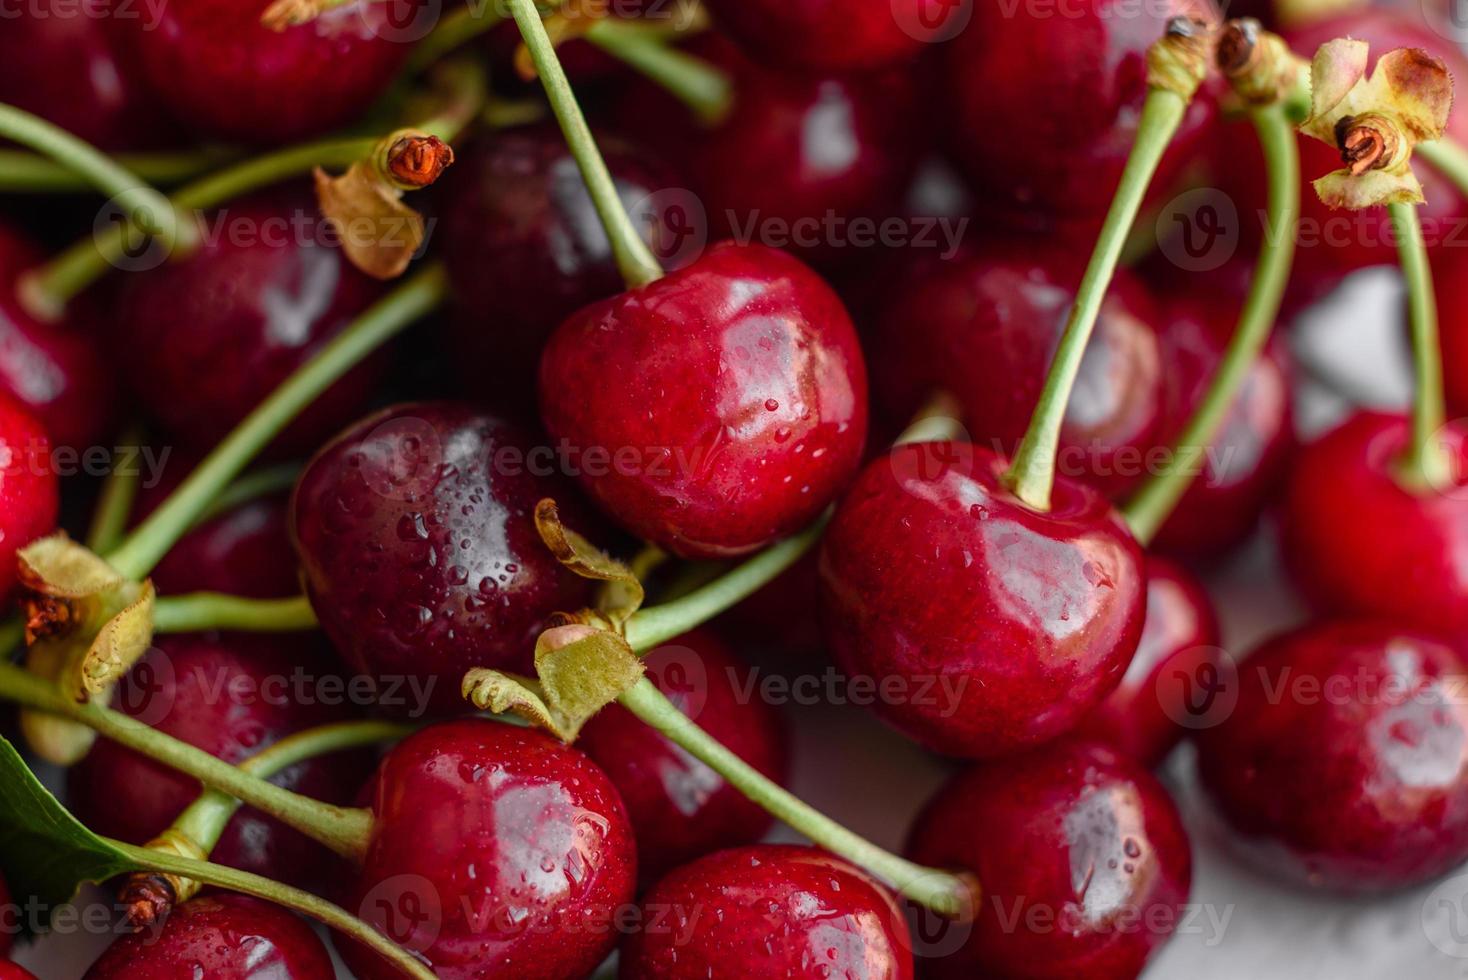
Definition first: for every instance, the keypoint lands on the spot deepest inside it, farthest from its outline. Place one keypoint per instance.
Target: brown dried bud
(1365, 145)
(148, 898)
(418, 161)
(1238, 46)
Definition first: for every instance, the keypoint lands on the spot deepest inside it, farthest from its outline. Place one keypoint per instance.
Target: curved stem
(1149, 508)
(700, 86)
(1449, 158)
(198, 611)
(1032, 473)
(263, 482)
(1424, 464)
(115, 502)
(273, 891)
(23, 172)
(151, 539)
(634, 259)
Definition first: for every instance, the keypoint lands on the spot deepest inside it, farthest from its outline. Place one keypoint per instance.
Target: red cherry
(1342, 764)
(29, 495)
(715, 410)
(1008, 624)
(831, 35)
(1144, 716)
(1450, 267)
(768, 911)
(230, 695)
(13, 971)
(511, 851)
(1082, 856)
(263, 293)
(1407, 561)
(680, 808)
(221, 72)
(245, 551)
(221, 936)
(417, 543)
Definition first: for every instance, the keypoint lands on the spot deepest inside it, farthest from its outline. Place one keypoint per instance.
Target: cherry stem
(263, 482)
(115, 502)
(33, 173)
(1032, 473)
(195, 612)
(148, 542)
(1150, 507)
(307, 904)
(700, 86)
(1423, 465)
(1447, 157)
(635, 260)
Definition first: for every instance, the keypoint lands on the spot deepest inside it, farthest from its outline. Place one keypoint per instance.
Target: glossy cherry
(266, 290)
(1342, 763)
(417, 543)
(222, 936)
(1154, 707)
(680, 808)
(715, 410)
(768, 911)
(832, 35)
(1359, 543)
(230, 695)
(29, 494)
(222, 73)
(497, 851)
(1083, 859)
(245, 551)
(1008, 624)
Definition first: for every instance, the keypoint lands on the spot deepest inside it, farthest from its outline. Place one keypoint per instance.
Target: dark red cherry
(680, 808)
(525, 249)
(1149, 712)
(715, 410)
(1358, 543)
(1008, 625)
(417, 543)
(781, 616)
(29, 494)
(1342, 764)
(222, 936)
(833, 35)
(984, 328)
(768, 911)
(244, 551)
(265, 291)
(230, 695)
(497, 852)
(1450, 283)
(1082, 856)
(54, 369)
(225, 75)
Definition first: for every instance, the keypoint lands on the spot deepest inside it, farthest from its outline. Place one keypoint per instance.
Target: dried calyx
(1179, 60)
(1259, 65)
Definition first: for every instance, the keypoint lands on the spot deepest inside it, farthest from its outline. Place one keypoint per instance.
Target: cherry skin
(1075, 833)
(230, 695)
(680, 808)
(830, 35)
(1342, 764)
(768, 911)
(262, 294)
(245, 551)
(29, 493)
(218, 70)
(14, 971)
(1009, 624)
(222, 936)
(515, 846)
(1145, 716)
(417, 544)
(729, 401)
(1449, 270)
(1407, 560)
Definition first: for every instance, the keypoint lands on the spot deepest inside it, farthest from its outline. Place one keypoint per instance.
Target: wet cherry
(715, 410)
(832, 35)
(680, 808)
(768, 911)
(1342, 765)
(245, 551)
(29, 495)
(1010, 625)
(513, 848)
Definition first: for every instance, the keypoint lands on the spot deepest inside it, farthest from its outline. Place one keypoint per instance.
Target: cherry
(1449, 269)
(1144, 716)
(984, 327)
(1342, 765)
(1083, 859)
(222, 936)
(768, 911)
(263, 293)
(29, 495)
(230, 695)
(1358, 542)
(524, 246)
(512, 849)
(1008, 624)
(418, 547)
(830, 35)
(680, 808)
(245, 551)
(716, 409)
(221, 72)
(13, 971)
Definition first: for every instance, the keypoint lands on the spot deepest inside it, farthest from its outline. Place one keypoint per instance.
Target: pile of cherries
(739, 398)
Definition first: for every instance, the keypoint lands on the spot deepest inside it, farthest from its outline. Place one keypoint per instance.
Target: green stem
(1149, 508)
(943, 892)
(115, 502)
(198, 611)
(706, 90)
(634, 259)
(1448, 158)
(307, 904)
(150, 540)
(1032, 473)
(1424, 464)
(23, 172)
(263, 482)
